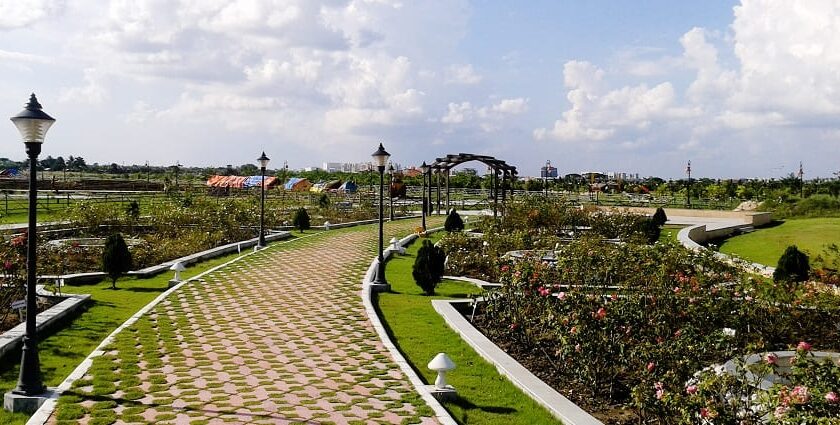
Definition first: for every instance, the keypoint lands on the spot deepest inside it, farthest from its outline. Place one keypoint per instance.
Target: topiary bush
(793, 266)
(453, 223)
(116, 258)
(301, 219)
(428, 267)
(324, 201)
(659, 217)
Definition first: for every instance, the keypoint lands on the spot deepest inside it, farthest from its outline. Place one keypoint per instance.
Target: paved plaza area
(278, 337)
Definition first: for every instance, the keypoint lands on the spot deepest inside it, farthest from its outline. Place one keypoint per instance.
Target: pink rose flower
(691, 389)
(651, 366)
(832, 397)
(561, 296)
(601, 313)
(803, 346)
(800, 395)
(704, 412)
(771, 359)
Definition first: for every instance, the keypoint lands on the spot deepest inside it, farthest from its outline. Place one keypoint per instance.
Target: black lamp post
(380, 158)
(263, 160)
(424, 169)
(390, 187)
(177, 169)
(33, 124)
(688, 185)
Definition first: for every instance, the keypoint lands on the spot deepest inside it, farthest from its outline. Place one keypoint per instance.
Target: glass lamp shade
(263, 160)
(32, 122)
(424, 168)
(380, 157)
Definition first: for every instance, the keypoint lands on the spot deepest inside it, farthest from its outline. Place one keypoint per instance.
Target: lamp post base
(377, 281)
(15, 403)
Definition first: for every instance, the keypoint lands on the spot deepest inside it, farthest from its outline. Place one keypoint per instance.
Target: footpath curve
(276, 337)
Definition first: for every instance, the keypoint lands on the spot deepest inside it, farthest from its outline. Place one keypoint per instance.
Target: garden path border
(691, 237)
(367, 298)
(12, 338)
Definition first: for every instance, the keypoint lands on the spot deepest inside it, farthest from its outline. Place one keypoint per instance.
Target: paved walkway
(279, 337)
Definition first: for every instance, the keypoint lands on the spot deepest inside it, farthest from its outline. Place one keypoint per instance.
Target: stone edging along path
(559, 406)
(367, 297)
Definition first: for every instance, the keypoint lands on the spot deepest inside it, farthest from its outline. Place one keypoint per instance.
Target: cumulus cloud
(92, 92)
(785, 75)
(462, 74)
(18, 14)
(487, 118)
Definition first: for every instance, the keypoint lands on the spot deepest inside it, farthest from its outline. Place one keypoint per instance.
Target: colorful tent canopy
(298, 184)
(348, 187)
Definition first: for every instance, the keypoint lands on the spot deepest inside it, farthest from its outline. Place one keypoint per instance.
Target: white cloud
(486, 118)
(462, 74)
(18, 13)
(93, 92)
(785, 80)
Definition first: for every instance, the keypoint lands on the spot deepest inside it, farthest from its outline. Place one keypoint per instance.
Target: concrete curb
(367, 298)
(691, 236)
(12, 338)
(42, 415)
(559, 406)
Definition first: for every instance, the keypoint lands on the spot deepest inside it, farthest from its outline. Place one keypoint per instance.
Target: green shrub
(659, 217)
(793, 266)
(132, 211)
(324, 201)
(453, 223)
(301, 219)
(116, 259)
(428, 267)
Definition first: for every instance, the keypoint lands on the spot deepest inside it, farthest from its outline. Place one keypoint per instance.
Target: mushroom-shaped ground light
(177, 268)
(441, 364)
(395, 246)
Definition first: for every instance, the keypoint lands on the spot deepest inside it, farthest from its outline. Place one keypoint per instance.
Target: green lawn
(63, 350)
(420, 333)
(669, 232)
(766, 245)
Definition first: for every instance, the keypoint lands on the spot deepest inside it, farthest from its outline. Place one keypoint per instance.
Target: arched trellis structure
(498, 168)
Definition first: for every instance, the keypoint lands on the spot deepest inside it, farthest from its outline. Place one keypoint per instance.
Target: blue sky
(741, 88)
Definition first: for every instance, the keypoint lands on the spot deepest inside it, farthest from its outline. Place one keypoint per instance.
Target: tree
(301, 219)
(249, 170)
(659, 217)
(132, 211)
(793, 266)
(116, 258)
(428, 267)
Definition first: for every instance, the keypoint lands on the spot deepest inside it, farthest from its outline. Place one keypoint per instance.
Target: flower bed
(622, 329)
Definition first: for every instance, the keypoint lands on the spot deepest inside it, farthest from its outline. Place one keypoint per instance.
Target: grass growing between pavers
(61, 351)
(485, 397)
(766, 245)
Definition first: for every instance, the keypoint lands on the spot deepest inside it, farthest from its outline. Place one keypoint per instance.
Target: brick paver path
(278, 337)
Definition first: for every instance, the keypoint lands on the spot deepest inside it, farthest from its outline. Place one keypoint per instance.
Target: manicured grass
(485, 397)
(766, 245)
(669, 232)
(63, 350)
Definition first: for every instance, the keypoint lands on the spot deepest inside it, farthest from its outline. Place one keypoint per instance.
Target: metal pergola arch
(442, 166)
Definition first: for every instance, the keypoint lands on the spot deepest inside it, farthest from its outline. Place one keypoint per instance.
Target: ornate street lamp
(390, 188)
(380, 158)
(33, 124)
(263, 160)
(424, 169)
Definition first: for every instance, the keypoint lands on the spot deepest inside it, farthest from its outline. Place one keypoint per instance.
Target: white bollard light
(327, 225)
(441, 364)
(177, 268)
